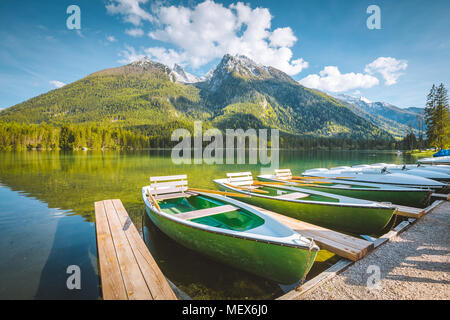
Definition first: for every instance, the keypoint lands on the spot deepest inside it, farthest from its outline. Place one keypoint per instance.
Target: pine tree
(442, 118)
(430, 115)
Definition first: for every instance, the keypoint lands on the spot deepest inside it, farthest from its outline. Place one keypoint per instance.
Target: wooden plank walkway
(441, 196)
(127, 269)
(341, 244)
(409, 212)
(343, 264)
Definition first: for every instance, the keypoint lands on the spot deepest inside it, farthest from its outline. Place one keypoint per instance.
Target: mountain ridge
(238, 92)
(404, 117)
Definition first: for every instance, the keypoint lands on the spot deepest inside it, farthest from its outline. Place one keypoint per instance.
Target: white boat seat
(206, 212)
(293, 196)
(343, 186)
(174, 195)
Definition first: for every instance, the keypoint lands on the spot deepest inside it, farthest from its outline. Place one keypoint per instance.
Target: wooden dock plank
(341, 244)
(132, 276)
(441, 196)
(331, 272)
(409, 212)
(127, 269)
(110, 274)
(156, 282)
(433, 206)
(342, 264)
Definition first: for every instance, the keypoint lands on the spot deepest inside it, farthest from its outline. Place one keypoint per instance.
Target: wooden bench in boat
(127, 269)
(283, 174)
(168, 185)
(240, 179)
(205, 212)
(293, 196)
(341, 244)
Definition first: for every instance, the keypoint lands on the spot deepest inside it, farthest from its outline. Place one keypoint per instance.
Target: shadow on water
(199, 276)
(72, 245)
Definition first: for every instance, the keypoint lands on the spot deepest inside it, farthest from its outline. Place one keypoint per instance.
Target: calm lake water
(47, 220)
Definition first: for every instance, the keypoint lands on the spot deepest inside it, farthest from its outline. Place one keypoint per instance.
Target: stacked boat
(228, 225)
(407, 196)
(416, 178)
(325, 209)
(445, 160)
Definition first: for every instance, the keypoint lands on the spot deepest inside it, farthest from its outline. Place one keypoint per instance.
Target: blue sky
(322, 43)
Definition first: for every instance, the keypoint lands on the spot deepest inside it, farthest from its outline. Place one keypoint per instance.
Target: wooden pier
(127, 269)
(129, 272)
(341, 244)
(441, 196)
(409, 212)
(343, 264)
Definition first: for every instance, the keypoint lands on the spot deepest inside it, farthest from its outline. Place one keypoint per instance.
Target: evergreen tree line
(437, 117)
(437, 122)
(44, 136)
(15, 136)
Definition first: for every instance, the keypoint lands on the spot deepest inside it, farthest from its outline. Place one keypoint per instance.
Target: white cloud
(57, 84)
(282, 37)
(111, 39)
(135, 32)
(129, 55)
(209, 30)
(130, 10)
(389, 68)
(332, 80)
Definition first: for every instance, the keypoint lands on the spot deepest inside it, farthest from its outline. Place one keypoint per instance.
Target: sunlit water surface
(47, 220)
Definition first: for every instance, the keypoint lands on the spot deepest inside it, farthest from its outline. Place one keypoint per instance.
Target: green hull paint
(281, 264)
(405, 198)
(412, 199)
(357, 220)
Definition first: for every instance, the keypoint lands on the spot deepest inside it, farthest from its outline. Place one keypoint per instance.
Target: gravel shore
(413, 265)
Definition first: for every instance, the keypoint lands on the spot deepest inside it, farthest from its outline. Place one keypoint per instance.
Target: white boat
(413, 197)
(435, 160)
(373, 175)
(437, 168)
(416, 171)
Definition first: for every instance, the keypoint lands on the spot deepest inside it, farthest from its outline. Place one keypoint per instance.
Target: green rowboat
(229, 231)
(337, 212)
(413, 197)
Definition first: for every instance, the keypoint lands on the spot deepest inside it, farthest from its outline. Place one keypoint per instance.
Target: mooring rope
(395, 220)
(311, 245)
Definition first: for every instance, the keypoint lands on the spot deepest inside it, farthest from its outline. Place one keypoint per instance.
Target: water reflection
(46, 219)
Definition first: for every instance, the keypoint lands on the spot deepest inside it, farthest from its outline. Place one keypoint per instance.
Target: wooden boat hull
(435, 160)
(416, 198)
(280, 263)
(412, 199)
(353, 219)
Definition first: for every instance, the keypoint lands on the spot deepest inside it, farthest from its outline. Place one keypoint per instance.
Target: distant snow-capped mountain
(176, 73)
(407, 116)
(182, 76)
(242, 67)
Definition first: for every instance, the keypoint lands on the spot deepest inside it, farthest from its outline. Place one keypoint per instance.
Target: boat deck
(341, 244)
(127, 269)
